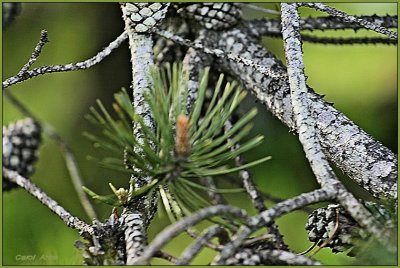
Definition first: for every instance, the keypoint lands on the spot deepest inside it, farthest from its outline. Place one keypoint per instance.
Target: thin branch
(273, 27)
(65, 216)
(190, 253)
(70, 161)
(66, 67)
(215, 197)
(252, 192)
(287, 258)
(268, 216)
(36, 53)
(348, 41)
(218, 53)
(175, 229)
(351, 19)
(166, 256)
(258, 8)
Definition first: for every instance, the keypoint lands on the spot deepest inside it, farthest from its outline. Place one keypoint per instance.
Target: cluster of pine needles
(184, 147)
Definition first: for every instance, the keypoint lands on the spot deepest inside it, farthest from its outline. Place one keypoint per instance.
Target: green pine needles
(183, 148)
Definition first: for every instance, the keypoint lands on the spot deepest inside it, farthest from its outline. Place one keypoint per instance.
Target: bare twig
(267, 216)
(255, 197)
(65, 216)
(351, 19)
(348, 41)
(190, 253)
(38, 49)
(273, 26)
(258, 8)
(287, 258)
(166, 256)
(66, 67)
(175, 229)
(70, 161)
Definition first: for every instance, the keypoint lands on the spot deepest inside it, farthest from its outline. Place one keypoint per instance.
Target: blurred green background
(361, 80)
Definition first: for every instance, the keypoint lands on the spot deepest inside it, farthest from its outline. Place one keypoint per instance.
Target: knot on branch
(21, 141)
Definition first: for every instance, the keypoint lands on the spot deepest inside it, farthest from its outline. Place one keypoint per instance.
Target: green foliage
(182, 149)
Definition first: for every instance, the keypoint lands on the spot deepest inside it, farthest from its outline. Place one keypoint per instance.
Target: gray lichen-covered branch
(70, 220)
(267, 26)
(26, 74)
(364, 159)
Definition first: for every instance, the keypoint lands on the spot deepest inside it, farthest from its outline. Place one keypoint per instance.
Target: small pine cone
(321, 225)
(215, 16)
(143, 17)
(10, 11)
(20, 148)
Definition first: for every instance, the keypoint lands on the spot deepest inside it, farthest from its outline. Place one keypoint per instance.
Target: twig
(267, 216)
(218, 53)
(190, 253)
(287, 257)
(66, 67)
(348, 41)
(166, 256)
(66, 217)
(175, 229)
(38, 49)
(255, 197)
(258, 8)
(351, 19)
(70, 161)
(273, 27)
(216, 198)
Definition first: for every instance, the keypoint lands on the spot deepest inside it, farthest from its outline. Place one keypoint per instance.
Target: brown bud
(182, 145)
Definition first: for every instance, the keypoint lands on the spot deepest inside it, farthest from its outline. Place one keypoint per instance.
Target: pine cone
(20, 148)
(10, 11)
(321, 225)
(143, 17)
(215, 16)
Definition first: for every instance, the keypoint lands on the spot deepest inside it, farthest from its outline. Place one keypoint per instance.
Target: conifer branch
(272, 27)
(180, 226)
(191, 251)
(351, 19)
(26, 74)
(306, 125)
(365, 160)
(70, 220)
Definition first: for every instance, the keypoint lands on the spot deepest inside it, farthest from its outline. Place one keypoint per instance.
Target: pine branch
(175, 229)
(191, 251)
(140, 20)
(348, 41)
(70, 220)
(306, 125)
(365, 160)
(267, 217)
(351, 19)
(25, 74)
(272, 27)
